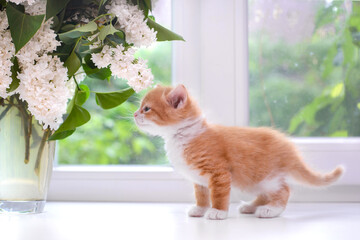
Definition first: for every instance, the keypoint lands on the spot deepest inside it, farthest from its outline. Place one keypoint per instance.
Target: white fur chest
(174, 152)
(175, 146)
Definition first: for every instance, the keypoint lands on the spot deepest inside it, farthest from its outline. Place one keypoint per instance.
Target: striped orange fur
(216, 158)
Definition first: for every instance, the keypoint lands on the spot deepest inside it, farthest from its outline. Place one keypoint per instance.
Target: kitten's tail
(304, 174)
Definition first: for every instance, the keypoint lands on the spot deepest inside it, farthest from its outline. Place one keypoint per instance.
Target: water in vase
(25, 162)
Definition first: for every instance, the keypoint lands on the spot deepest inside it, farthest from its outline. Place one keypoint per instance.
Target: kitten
(216, 158)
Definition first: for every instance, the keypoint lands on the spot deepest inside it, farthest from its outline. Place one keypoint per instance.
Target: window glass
(304, 66)
(111, 137)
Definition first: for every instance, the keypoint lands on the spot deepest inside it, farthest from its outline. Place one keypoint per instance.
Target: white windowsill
(83, 220)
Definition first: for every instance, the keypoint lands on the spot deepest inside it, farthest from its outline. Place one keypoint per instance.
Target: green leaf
(163, 34)
(102, 9)
(336, 121)
(22, 27)
(82, 95)
(337, 90)
(3, 3)
(354, 21)
(116, 39)
(148, 4)
(92, 50)
(89, 62)
(58, 20)
(107, 30)
(328, 61)
(96, 73)
(81, 48)
(113, 99)
(14, 72)
(61, 135)
(102, 2)
(88, 43)
(327, 15)
(342, 133)
(308, 113)
(67, 27)
(296, 121)
(89, 27)
(348, 48)
(77, 117)
(93, 72)
(72, 63)
(72, 35)
(53, 7)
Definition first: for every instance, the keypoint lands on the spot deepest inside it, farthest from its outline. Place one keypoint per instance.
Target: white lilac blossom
(37, 7)
(131, 21)
(120, 61)
(44, 87)
(30, 2)
(43, 78)
(6, 52)
(44, 41)
(142, 77)
(4, 21)
(44, 82)
(124, 65)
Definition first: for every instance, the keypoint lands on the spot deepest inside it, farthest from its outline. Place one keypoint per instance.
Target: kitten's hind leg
(250, 207)
(276, 205)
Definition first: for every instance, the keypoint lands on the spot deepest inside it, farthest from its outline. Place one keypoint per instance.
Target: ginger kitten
(216, 158)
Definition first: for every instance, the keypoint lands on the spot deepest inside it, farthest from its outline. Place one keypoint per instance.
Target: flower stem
(2, 115)
(77, 84)
(27, 119)
(40, 151)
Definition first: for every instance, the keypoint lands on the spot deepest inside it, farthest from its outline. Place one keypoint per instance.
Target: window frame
(201, 63)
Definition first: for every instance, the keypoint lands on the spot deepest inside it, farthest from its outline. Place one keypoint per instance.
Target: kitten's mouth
(140, 124)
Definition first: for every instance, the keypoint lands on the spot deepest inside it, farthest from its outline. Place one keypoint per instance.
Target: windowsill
(84, 220)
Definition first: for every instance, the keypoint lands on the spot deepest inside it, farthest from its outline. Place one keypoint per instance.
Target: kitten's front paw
(246, 208)
(268, 211)
(216, 214)
(196, 211)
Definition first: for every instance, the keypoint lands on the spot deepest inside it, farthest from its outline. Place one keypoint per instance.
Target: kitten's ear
(177, 97)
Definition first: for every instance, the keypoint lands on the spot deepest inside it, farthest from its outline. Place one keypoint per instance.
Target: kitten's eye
(146, 109)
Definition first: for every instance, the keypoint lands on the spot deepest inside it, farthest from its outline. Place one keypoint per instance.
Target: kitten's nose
(136, 114)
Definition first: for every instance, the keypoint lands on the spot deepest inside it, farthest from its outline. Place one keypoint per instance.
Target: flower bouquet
(47, 48)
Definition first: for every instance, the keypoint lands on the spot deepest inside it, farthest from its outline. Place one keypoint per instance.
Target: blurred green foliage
(311, 88)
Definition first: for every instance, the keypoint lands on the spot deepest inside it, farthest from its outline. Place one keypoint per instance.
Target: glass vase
(26, 159)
